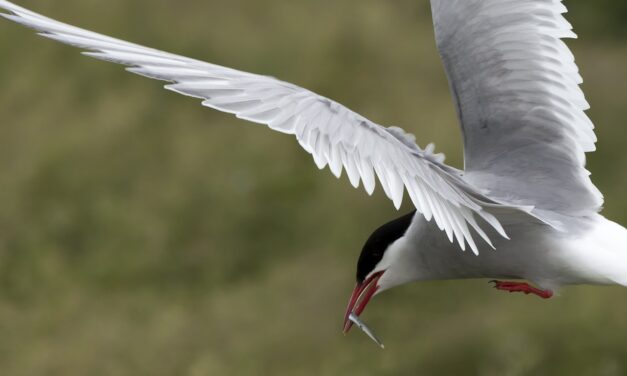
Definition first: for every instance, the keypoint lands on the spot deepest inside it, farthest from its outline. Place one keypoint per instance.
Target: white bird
(524, 190)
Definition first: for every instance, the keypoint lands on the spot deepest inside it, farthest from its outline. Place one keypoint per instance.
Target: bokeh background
(142, 234)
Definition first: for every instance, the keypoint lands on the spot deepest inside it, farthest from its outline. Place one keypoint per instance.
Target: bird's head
(381, 265)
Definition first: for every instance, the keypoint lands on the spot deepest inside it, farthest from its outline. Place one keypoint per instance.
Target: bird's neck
(594, 255)
(423, 253)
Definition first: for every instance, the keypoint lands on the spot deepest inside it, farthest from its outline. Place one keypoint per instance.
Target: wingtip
(398, 202)
(9, 16)
(8, 6)
(475, 250)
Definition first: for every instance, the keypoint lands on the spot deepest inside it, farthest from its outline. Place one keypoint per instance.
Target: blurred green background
(142, 234)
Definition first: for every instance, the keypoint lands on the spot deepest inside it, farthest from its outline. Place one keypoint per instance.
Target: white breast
(595, 253)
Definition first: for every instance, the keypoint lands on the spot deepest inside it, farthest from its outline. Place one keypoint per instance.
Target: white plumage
(334, 135)
(516, 88)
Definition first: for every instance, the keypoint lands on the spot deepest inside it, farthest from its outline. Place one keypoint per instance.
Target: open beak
(362, 294)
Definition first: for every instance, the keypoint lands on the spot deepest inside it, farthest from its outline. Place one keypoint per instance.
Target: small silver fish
(361, 325)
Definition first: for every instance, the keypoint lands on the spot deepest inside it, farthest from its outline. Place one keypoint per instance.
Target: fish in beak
(362, 293)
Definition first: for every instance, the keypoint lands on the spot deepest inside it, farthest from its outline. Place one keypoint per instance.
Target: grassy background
(141, 234)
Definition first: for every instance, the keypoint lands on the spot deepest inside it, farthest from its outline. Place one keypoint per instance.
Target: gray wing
(334, 135)
(516, 88)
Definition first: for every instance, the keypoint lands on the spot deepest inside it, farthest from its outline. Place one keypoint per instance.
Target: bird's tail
(614, 243)
(598, 254)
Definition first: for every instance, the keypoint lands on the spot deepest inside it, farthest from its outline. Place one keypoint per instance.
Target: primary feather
(333, 134)
(516, 87)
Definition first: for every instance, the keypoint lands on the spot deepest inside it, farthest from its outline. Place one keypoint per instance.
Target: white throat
(399, 264)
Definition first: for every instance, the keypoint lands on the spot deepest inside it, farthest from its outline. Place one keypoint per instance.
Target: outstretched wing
(333, 134)
(516, 88)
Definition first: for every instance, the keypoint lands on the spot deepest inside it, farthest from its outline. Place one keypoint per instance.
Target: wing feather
(334, 135)
(516, 87)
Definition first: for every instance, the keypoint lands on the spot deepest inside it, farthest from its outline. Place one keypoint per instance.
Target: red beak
(360, 297)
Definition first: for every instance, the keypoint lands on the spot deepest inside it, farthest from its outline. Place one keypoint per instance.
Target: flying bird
(522, 209)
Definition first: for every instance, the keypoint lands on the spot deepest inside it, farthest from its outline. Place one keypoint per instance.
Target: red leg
(522, 287)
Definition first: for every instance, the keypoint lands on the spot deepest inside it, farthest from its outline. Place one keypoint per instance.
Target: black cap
(378, 243)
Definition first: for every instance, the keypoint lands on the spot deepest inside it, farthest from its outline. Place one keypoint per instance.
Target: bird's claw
(521, 287)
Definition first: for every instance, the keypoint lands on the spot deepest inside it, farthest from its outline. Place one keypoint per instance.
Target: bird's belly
(534, 252)
(511, 262)
(529, 254)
